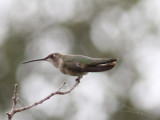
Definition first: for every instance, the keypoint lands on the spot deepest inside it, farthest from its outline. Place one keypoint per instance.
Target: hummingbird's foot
(78, 79)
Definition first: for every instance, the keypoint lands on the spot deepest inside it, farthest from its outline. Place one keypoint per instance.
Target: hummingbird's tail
(100, 68)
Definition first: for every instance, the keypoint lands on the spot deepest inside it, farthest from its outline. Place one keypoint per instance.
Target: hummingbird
(78, 65)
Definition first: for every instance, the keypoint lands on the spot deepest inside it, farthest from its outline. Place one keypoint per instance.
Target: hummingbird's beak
(34, 60)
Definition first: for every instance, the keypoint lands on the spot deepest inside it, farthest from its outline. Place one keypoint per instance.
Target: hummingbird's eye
(51, 56)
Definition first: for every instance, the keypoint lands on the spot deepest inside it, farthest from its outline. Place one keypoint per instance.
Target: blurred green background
(126, 29)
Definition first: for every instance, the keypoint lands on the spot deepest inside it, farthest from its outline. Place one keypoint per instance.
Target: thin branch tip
(16, 86)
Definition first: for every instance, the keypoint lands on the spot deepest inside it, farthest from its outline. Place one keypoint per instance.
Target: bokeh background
(126, 29)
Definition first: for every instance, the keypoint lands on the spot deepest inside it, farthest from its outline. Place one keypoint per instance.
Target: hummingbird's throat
(53, 62)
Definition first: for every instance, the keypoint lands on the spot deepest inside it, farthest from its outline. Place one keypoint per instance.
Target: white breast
(61, 65)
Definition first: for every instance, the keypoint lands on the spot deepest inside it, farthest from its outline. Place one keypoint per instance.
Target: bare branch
(14, 99)
(58, 92)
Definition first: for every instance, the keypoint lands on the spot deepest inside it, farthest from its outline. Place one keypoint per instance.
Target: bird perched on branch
(78, 65)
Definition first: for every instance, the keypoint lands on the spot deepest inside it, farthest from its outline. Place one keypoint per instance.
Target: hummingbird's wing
(88, 60)
(87, 64)
(98, 61)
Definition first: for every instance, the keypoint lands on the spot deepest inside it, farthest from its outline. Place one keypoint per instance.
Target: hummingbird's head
(54, 58)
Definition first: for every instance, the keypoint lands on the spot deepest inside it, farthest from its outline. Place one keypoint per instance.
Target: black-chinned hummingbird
(78, 65)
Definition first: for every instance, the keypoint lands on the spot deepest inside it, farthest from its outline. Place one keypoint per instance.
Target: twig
(14, 99)
(58, 92)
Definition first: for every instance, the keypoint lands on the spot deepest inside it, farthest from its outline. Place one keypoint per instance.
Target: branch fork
(14, 110)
